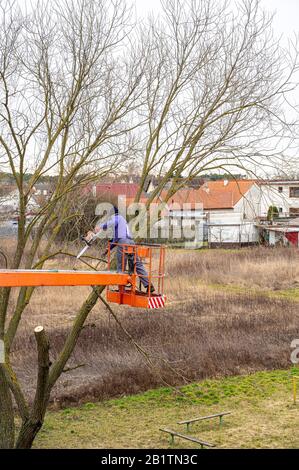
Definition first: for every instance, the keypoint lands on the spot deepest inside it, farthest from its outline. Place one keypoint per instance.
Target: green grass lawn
(264, 416)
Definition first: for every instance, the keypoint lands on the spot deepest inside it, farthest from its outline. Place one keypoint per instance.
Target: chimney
(205, 187)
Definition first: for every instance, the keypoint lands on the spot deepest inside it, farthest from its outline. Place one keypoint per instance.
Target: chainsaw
(88, 243)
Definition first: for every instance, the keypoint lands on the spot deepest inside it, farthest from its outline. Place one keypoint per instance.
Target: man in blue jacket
(122, 235)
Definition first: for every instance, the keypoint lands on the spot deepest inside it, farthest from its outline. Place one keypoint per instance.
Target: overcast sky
(286, 18)
(285, 25)
(287, 14)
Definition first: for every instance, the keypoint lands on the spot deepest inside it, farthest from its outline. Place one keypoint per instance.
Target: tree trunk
(28, 433)
(7, 427)
(31, 426)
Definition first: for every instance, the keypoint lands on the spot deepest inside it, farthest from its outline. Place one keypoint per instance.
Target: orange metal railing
(153, 258)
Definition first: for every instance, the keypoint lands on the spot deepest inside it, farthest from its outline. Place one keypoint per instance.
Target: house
(233, 222)
(106, 192)
(232, 210)
(9, 204)
(283, 194)
(128, 190)
(226, 209)
(127, 178)
(42, 189)
(280, 235)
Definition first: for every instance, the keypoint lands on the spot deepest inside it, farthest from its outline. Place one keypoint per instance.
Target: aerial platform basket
(153, 258)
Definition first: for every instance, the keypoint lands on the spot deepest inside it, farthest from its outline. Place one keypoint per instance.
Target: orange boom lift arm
(54, 277)
(152, 255)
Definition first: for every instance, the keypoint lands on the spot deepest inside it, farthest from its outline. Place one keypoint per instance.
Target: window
(280, 189)
(294, 212)
(294, 192)
(280, 209)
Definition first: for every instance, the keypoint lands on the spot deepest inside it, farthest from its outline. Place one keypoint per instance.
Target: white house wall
(244, 233)
(249, 204)
(11, 202)
(229, 226)
(225, 217)
(270, 196)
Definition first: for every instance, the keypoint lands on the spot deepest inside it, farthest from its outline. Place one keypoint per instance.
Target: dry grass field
(228, 312)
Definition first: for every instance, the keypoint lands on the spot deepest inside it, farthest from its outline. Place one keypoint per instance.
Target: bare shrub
(212, 335)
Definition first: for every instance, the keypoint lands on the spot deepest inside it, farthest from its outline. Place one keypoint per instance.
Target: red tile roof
(238, 188)
(213, 194)
(118, 189)
(128, 190)
(209, 200)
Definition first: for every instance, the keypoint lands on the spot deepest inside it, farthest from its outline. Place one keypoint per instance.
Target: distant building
(284, 234)
(129, 190)
(9, 204)
(42, 189)
(225, 212)
(283, 194)
(227, 209)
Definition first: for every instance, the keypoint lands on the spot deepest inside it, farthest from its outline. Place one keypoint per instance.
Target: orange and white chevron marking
(157, 302)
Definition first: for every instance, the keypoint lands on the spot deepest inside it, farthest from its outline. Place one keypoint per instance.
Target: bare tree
(202, 87)
(217, 88)
(69, 81)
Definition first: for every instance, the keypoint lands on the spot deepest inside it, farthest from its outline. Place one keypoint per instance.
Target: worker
(122, 236)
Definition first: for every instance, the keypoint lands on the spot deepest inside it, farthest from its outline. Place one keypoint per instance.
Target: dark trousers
(140, 269)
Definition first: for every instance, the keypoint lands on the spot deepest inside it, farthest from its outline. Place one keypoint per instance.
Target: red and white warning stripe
(157, 302)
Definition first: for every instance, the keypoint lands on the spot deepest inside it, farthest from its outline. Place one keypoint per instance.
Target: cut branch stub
(32, 425)
(43, 369)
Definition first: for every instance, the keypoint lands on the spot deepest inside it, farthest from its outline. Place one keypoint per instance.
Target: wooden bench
(193, 420)
(188, 438)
